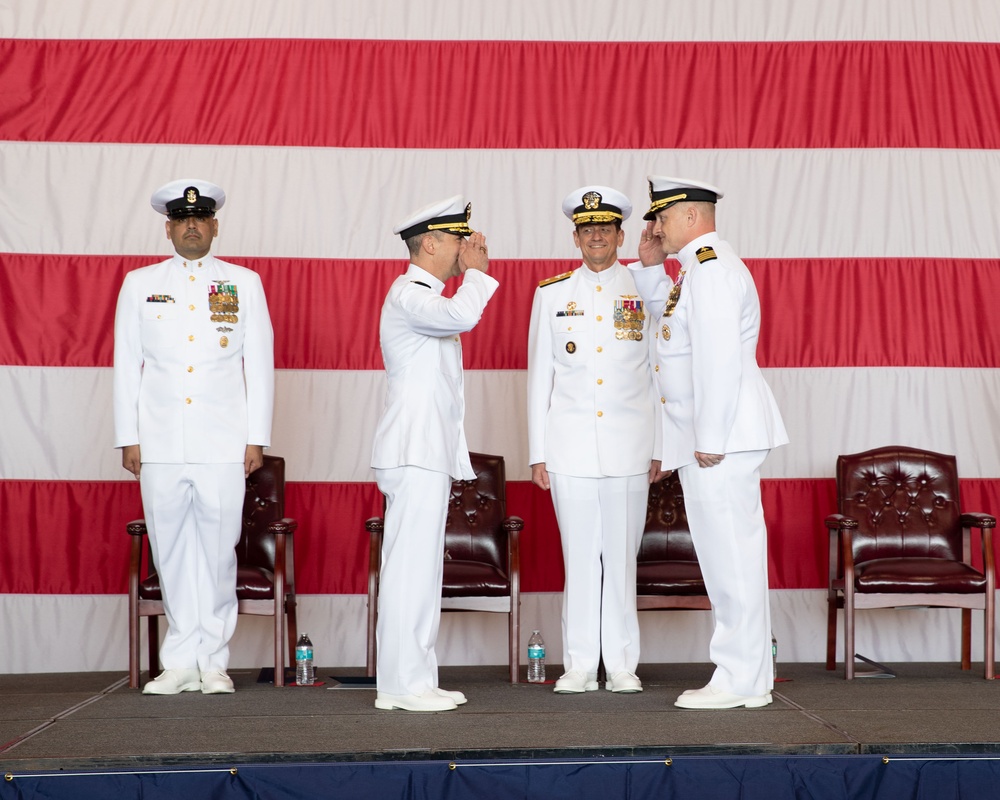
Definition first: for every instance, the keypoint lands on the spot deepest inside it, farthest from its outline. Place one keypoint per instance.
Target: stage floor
(93, 721)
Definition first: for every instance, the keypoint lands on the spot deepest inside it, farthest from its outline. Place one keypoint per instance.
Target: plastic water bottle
(305, 675)
(774, 656)
(536, 658)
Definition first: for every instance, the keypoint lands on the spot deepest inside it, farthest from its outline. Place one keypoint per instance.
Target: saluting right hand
(650, 247)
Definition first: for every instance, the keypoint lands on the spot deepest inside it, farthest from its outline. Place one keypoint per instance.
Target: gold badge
(666, 333)
(592, 201)
(570, 347)
(224, 341)
(191, 195)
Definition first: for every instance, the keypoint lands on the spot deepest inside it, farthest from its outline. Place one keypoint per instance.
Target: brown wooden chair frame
(842, 594)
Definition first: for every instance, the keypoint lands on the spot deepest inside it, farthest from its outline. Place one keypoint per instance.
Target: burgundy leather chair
(481, 555)
(901, 539)
(667, 572)
(265, 576)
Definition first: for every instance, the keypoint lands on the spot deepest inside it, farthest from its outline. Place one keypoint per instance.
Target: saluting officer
(720, 421)
(420, 445)
(590, 438)
(193, 398)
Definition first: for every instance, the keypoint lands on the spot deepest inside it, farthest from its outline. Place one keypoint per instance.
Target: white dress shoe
(428, 701)
(576, 682)
(623, 683)
(457, 698)
(712, 698)
(174, 681)
(216, 682)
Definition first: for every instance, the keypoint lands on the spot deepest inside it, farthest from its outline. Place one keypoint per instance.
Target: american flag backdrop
(857, 142)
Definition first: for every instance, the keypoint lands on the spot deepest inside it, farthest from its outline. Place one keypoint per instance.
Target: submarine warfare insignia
(629, 318)
(223, 302)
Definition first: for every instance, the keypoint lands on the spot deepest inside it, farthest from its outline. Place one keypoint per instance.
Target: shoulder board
(704, 254)
(555, 279)
(421, 283)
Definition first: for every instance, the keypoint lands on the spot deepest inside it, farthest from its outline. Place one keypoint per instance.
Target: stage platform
(74, 721)
(92, 722)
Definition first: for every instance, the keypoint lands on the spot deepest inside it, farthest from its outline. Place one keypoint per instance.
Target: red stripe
(816, 312)
(78, 543)
(502, 94)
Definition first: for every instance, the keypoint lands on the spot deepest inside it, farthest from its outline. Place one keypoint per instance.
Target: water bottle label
(536, 652)
(303, 653)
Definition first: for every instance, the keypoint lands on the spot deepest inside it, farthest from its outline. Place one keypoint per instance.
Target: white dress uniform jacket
(590, 387)
(716, 398)
(188, 389)
(423, 421)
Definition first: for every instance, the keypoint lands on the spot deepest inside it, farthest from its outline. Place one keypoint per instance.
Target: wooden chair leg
(848, 633)
(514, 640)
(989, 620)
(371, 656)
(279, 643)
(966, 638)
(133, 646)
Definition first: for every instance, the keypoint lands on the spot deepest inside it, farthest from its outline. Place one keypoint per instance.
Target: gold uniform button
(190, 277)
(600, 381)
(191, 338)
(656, 368)
(598, 288)
(187, 400)
(600, 349)
(600, 413)
(191, 307)
(663, 399)
(159, 316)
(190, 369)
(599, 317)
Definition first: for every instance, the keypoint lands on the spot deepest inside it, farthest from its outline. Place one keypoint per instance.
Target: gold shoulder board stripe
(555, 279)
(705, 254)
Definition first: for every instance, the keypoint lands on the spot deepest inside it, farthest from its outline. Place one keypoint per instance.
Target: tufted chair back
(667, 566)
(905, 501)
(475, 542)
(264, 503)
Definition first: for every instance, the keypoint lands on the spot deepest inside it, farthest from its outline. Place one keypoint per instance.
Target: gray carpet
(91, 720)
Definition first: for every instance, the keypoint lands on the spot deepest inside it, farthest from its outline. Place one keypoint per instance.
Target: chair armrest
(841, 522)
(513, 524)
(286, 525)
(136, 527)
(976, 519)
(375, 525)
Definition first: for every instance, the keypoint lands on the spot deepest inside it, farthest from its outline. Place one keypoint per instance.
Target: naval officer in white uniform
(420, 445)
(193, 397)
(591, 423)
(719, 422)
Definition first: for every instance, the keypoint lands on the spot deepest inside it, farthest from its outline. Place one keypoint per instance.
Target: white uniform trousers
(409, 596)
(194, 515)
(600, 526)
(727, 527)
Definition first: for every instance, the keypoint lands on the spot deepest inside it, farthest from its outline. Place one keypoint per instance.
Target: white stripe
(778, 204)
(57, 421)
(88, 633)
(514, 20)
